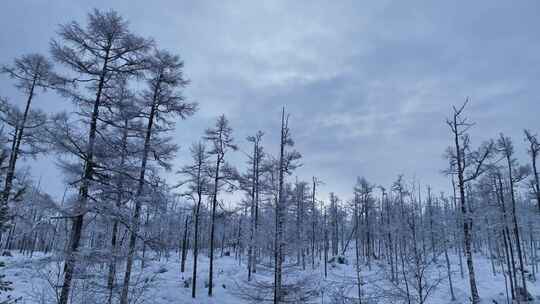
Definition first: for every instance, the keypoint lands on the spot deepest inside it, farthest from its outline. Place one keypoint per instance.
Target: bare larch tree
(95, 53)
(162, 102)
(467, 165)
(221, 140)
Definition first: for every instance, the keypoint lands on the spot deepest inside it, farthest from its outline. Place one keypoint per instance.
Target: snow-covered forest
(146, 219)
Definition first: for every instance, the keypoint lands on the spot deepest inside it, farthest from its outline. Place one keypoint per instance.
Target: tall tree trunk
(184, 245)
(251, 249)
(509, 251)
(256, 222)
(357, 250)
(143, 257)
(459, 222)
(516, 228)
(389, 236)
(431, 230)
(77, 221)
(467, 220)
(313, 222)
(448, 269)
(196, 232)
(212, 226)
(490, 249)
(534, 151)
(533, 259)
(19, 130)
(111, 277)
(138, 203)
(112, 264)
(326, 245)
(279, 215)
(510, 262)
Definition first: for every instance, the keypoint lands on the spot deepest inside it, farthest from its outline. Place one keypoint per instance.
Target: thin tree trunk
(448, 270)
(112, 264)
(184, 245)
(534, 152)
(196, 232)
(111, 277)
(490, 250)
(251, 249)
(138, 203)
(510, 263)
(77, 221)
(533, 251)
(506, 237)
(516, 228)
(326, 245)
(212, 226)
(467, 220)
(143, 258)
(357, 251)
(313, 222)
(256, 223)
(280, 205)
(19, 130)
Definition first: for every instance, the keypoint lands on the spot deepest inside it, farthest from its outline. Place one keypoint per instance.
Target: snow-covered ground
(33, 280)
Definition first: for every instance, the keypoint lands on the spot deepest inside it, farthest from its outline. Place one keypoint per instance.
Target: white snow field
(34, 280)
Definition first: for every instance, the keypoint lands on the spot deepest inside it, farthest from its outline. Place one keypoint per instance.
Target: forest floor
(161, 282)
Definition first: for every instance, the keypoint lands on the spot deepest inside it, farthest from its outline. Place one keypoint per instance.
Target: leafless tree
(534, 149)
(220, 137)
(95, 53)
(30, 72)
(467, 165)
(255, 160)
(287, 163)
(197, 183)
(515, 174)
(162, 101)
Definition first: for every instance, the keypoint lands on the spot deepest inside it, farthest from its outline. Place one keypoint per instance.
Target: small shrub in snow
(339, 260)
(187, 283)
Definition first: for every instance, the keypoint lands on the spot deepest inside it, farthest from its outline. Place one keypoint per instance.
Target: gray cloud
(368, 85)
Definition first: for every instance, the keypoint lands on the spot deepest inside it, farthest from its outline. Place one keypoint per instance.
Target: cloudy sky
(368, 83)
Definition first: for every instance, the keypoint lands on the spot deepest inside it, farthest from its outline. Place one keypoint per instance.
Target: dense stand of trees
(118, 212)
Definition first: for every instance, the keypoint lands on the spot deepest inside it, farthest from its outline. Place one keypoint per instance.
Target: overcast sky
(368, 83)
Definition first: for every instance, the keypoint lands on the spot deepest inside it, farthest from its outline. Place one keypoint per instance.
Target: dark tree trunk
(196, 232)
(184, 245)
(467, 220)
(77, 221)
(212, 227)
(516, 228)
(19, 130)
(138, 203)
(111, 277)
